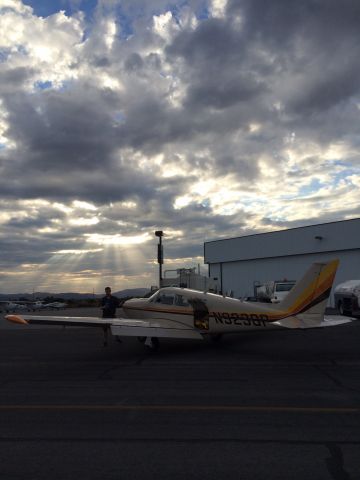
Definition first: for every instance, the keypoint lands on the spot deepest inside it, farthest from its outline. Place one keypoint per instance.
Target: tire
(341, 308)
(155, 345)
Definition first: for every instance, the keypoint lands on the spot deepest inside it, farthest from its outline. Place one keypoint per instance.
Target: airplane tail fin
(306, 302)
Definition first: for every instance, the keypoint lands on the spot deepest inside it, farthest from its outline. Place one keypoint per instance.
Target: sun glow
(78, 252)
(81, 222)
(101, 239)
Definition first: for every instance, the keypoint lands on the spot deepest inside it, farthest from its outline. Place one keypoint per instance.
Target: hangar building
(239, 263)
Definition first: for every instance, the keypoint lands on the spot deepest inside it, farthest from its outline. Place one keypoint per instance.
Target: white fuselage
(208, 313)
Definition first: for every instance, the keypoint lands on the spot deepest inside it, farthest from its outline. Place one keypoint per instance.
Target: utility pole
(160, 234)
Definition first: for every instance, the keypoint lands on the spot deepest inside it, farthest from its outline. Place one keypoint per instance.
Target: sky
(206, 119)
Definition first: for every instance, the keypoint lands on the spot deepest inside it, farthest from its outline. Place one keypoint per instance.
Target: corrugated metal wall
(235, 272)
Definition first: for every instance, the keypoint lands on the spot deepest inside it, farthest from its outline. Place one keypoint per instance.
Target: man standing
(109, 304)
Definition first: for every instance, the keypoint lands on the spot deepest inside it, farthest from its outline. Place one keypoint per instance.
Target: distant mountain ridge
(129, 292)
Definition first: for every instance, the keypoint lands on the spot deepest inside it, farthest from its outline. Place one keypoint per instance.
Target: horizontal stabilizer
(329, 321)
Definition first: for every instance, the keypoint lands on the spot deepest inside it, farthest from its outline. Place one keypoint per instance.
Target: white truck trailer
(273, 291)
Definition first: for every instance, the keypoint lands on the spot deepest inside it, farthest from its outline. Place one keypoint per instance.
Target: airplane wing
(119, 326)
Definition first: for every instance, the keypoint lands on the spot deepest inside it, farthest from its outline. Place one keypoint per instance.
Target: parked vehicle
(274, 291)
(347, 297)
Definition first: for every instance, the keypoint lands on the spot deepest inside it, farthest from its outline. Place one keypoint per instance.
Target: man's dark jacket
(109, 305)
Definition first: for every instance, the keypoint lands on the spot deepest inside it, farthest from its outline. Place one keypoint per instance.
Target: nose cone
(134, 306)
(135, 302)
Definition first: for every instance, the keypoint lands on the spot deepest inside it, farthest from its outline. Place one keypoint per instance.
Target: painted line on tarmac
(186, 408)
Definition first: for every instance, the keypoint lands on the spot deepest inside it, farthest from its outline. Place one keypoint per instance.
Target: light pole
(160, 234)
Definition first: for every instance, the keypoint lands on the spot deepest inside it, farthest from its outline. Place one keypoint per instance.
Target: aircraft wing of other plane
(119, 326)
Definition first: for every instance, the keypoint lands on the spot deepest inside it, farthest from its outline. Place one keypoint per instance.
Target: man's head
(108, 290)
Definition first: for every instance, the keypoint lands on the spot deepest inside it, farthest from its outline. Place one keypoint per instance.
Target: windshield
(284, 287)
(167, 298)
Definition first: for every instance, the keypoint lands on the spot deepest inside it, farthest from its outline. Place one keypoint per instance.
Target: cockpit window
(165, 299)
(154, 297)
(181, 301)
(284, 287)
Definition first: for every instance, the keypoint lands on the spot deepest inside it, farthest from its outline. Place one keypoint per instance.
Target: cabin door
(201, 314)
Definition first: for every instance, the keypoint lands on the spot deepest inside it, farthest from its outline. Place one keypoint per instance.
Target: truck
(188, 278)
(273, 291)
(347, 297)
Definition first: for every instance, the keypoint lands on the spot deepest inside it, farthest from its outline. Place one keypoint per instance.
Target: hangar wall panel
(240, 276)
(239, 262)
(335, 236)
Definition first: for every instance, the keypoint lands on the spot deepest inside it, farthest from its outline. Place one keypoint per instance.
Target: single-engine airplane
(189, 314)
(10, 306)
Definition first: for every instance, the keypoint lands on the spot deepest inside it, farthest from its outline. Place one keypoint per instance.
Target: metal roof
(324, 237)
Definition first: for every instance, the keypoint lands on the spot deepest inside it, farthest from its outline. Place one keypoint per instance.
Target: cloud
(207, 120)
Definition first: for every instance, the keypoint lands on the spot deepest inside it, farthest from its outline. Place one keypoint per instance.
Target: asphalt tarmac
(262, 405)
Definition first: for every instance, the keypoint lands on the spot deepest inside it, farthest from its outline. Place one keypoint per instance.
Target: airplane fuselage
(208, 313)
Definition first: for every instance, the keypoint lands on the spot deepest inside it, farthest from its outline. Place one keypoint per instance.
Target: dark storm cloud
(151, 124)
(13, 78)
(210, 93)
(100, 185)
(215, 53)
(301, 53)
(60, 130)
(211, 43)
(318, 39)
(281, 22)
(67, 146)
(31, 250)
(329, 89)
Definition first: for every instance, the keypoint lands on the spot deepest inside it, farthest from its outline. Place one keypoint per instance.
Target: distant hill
(129, 292)
(132, 292)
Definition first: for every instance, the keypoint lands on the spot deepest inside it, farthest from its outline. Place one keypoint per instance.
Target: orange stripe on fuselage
(162, 310)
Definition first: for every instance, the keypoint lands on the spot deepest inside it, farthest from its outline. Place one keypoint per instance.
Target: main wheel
(341, 308)
(153, 344)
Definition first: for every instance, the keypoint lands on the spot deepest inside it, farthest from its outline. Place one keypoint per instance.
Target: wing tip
(16, 319)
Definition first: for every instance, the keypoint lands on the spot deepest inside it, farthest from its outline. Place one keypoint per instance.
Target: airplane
(10, 306)
(175, 312)
(55, 305)
(37, 305)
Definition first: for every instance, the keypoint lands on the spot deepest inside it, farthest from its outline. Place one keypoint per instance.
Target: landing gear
(106, 335)
(342, 310)
(152, 344)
